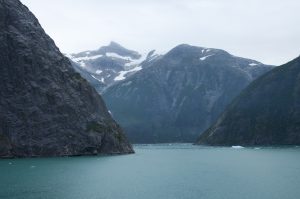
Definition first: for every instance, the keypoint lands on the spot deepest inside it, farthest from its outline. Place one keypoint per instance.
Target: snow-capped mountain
(109, 64)
(180, 94)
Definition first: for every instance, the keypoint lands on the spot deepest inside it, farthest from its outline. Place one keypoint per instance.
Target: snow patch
(115, 55)
(135, 62)
(86, 58)
(122, 74)
(102, 79)
(205, 57)
(130, 61)
(99, 72)
(253, 64)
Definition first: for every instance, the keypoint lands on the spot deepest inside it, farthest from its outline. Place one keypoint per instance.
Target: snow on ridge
(131, 62)
(137, 61)
(253, 64)
(115, 55)
(205, 50)
(205, 57)
(78, 59)
(102, 79)
(152, 57)
(98, 72)
(122, 74)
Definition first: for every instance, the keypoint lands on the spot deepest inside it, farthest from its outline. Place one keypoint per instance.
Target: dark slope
(180, 93)
(46, 108)
(266, 113)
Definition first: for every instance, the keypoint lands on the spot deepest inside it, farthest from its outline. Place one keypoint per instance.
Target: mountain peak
(186, 49)
(115, 44)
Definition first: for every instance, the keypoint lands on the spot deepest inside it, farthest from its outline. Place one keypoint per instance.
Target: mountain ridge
(180, 93)
(109, 64)
(265, 113)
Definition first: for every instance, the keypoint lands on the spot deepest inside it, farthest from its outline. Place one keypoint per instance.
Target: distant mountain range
(109, 64)
(266, 113)
(179, 94)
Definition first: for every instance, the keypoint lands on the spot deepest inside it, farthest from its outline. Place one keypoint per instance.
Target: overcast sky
(265, 30)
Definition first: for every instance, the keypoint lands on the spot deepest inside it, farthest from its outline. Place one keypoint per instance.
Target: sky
(264, 30)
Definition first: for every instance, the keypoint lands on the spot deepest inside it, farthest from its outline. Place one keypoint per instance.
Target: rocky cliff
(46, 108)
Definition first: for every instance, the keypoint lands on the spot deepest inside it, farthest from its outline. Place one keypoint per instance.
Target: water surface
(178, 171)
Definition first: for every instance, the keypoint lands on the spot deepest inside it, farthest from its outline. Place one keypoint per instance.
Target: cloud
(266, 30)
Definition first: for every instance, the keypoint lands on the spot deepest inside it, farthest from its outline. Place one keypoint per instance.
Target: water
(176, 171)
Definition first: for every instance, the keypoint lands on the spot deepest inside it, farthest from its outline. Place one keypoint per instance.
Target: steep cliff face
(46, 108)
(180, 93)
(266, 113)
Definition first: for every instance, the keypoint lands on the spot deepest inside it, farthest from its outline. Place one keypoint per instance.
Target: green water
(178, 171)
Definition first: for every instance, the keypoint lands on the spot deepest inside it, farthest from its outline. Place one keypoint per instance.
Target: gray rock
(46, 108)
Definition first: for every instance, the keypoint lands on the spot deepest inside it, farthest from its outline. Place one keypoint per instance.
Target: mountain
(98, 85)
(46, 108)
(266, 113)
(109, 64)
(180, 93)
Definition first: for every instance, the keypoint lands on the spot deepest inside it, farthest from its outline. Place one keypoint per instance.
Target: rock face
(266, 113)
(46, 108)
(109, 64)
(180, 93)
